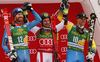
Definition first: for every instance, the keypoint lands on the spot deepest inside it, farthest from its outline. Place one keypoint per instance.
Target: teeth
(20, 18)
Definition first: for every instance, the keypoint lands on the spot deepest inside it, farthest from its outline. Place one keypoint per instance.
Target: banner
(50, 8)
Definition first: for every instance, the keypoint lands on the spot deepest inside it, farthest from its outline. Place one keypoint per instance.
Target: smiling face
(46, 22)
(81, 21)
(19, 17)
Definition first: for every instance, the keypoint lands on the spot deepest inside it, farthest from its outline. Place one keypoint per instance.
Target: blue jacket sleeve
(35, 22)
(4, 42)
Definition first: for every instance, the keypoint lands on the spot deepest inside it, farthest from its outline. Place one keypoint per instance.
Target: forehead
(46, 19)
(83, 18)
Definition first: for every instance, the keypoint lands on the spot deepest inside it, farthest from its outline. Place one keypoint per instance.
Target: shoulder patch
(70, 22)
(86, 30)
(11, 27)
(74, 25)
(24, 25)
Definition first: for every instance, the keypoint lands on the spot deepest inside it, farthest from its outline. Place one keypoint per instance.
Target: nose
(48, 22)
(20, 15)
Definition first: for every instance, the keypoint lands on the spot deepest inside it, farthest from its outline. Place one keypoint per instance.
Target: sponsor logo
(46, 15)
(63, 36)
(64, 49)
(45, 42)
(63, 61)
(63, 40)
(6, 56)
(6, 19)
(31, 38)
(32, 51)
(20, 30)
(9, 15)
(19, 9)
(6, 22)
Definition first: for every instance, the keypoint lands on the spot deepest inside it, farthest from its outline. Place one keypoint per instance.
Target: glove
(90, 56)
(27, 6)
(65, 4)
(92, 16)
(13, 56)
(25, 14)
(65, 7)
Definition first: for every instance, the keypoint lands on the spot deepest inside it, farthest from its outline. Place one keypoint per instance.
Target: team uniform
(45, 42)
(75, 44)
(20, 38)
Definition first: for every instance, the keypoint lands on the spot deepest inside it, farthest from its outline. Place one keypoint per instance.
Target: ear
(78, 20)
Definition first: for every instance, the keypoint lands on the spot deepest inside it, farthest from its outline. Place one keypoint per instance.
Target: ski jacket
(20, 34)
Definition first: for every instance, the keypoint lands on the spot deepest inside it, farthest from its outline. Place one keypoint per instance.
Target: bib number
(20, 39)
(75, 39)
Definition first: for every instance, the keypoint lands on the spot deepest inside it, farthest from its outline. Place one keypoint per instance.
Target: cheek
(49, 22)
(44, 23)
(22, 16)
(84, 22)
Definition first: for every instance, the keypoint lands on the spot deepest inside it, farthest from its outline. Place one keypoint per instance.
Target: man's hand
(65, 4)
(13, 56)
(27, 6)
(90, 56)
(92, 16)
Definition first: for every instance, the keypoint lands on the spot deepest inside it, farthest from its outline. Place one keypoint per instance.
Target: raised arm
(63, 12)
(35, 22)
(28, 6)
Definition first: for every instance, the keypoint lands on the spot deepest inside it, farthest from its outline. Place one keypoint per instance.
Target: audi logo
(31, 38)
(45, 42)
(64, 49)
(32, 51)
(63, 36)
(6, 56)
(63, 61)
(9, 15)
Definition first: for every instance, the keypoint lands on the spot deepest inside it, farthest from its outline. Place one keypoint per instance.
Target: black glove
(65, 4)
(27, 6)
(92, 16)
(13, 56)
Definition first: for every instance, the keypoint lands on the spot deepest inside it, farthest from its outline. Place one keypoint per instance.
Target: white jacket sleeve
(34, 29)
(60, 25)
